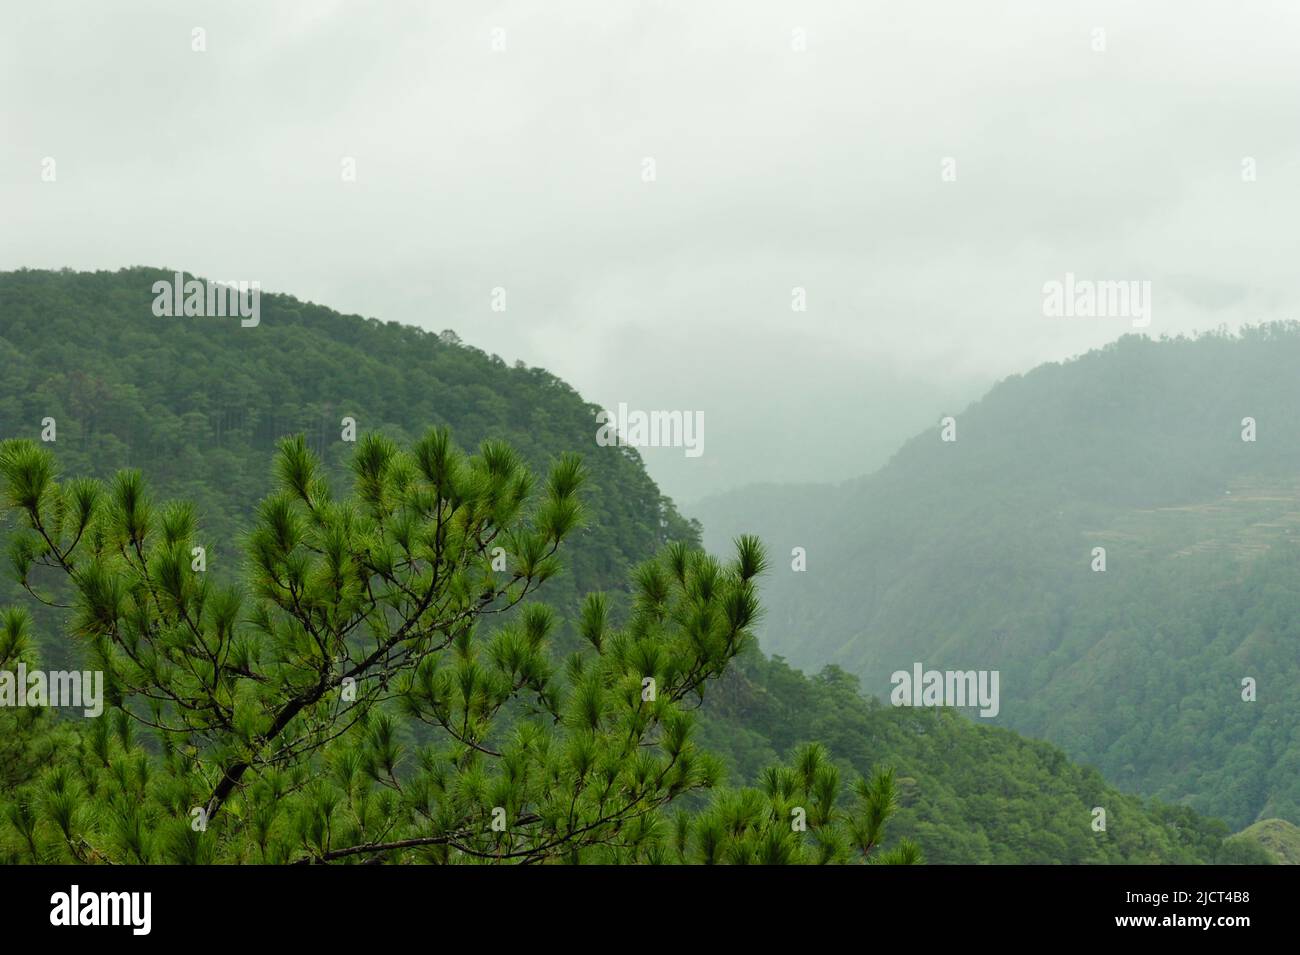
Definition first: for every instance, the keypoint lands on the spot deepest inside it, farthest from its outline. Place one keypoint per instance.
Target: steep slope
(979, 554)
(968, 793)
(199, 403)
(1279, 838)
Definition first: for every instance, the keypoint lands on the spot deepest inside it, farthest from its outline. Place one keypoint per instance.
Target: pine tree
(377, 685)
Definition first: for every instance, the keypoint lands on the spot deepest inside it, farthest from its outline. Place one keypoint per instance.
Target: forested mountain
(968, 793)
(198, 405)
(1181, 459)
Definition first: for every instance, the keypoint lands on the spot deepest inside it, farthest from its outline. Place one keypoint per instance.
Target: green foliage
(793, 817)
(1272, 841)
(202, 404)
(277, 706)
(1240, 850)
(30, 737)
(978, 554)
(968, 793)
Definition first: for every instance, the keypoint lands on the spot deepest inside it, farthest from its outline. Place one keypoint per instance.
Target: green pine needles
(376, 685)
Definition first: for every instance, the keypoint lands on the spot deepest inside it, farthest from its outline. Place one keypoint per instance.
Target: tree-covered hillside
(968, 793)
(198, 405)
(986, 552)
(1276, 837)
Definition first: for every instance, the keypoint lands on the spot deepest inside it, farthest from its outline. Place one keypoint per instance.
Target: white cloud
(775, 169)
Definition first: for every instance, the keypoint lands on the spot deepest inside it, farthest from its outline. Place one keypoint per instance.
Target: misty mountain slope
(198, 404)
(978, 554)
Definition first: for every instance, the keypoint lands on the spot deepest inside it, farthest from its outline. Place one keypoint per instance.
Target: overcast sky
(782, 159)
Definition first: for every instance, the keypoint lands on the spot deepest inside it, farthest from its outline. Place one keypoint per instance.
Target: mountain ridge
(199, 406)
(981, 552)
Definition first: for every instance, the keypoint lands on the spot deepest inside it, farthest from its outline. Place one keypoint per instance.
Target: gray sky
(775, 168)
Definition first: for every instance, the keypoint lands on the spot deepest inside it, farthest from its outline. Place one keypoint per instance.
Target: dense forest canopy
(1180, 459)
(200, 404)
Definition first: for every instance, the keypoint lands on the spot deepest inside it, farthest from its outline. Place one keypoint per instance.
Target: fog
(913, 174)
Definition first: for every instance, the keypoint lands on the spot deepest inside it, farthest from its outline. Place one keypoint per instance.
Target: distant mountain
(982, 553)
(198, 403)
